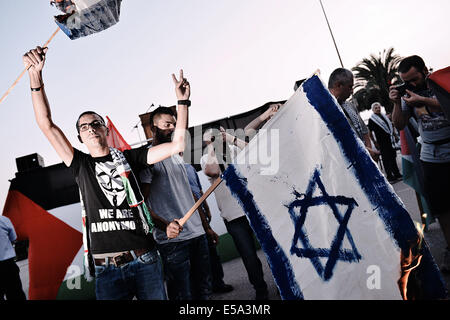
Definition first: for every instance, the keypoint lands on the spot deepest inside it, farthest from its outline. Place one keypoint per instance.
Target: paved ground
(236, 275)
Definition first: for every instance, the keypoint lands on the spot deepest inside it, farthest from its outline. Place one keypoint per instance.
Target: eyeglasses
(96, 124)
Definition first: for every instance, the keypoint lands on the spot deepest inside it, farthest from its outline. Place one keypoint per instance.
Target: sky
(237, 55)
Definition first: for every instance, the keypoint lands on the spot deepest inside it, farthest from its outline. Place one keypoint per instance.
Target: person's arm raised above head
(257, 123)
(34, 61)
(210, 165)
(177, 145)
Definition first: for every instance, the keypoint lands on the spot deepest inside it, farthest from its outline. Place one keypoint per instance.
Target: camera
(401, 88)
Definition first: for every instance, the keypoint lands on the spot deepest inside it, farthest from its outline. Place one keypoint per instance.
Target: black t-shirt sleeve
(76, 162)
(137, 158)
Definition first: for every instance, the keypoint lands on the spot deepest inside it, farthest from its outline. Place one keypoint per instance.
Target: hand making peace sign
(182, 87)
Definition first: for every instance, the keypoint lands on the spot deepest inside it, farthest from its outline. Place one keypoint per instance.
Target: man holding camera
(414, 99)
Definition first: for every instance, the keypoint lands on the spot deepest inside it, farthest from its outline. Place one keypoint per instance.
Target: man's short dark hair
(161, 110)
(338, 76)
(412, 61)
(85, 113)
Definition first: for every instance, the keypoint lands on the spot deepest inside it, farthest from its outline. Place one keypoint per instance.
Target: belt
(122, 258)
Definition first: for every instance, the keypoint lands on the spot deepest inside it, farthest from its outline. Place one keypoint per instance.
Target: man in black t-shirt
(117, 237)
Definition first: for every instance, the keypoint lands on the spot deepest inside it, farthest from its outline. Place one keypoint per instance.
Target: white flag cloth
(85, 17)
(328, 221)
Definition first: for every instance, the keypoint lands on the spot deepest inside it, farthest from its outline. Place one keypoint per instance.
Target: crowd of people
(414, 102)
(148, 190)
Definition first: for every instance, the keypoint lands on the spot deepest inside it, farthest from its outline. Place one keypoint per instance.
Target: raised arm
(256, 123)
(211, 168)
(177, 145)
(230, 139)
(34, 60)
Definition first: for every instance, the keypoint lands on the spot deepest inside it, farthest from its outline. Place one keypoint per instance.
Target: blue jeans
(141, 278)
(187, 269)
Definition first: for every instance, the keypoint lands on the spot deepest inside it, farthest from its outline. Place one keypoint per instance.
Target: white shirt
(227, 204)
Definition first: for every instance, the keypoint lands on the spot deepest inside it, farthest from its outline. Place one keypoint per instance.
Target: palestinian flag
(413, 173)
(439, 81)
(114, 138)
(44, 207)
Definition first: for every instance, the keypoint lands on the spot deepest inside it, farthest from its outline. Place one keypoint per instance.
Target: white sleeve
(203, 161)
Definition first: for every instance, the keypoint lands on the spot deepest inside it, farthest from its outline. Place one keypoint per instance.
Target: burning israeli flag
(328, 221)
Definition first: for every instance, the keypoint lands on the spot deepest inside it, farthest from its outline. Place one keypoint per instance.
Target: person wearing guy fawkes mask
(415, 99)
(119, 249)
(168, 194)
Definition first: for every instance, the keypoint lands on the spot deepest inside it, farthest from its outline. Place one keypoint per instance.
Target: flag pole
(213, 187)
(331, 32)
(23, 72)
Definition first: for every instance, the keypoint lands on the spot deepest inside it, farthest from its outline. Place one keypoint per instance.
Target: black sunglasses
(96, 124)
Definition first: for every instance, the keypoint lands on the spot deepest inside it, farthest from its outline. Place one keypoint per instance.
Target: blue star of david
(335, 252)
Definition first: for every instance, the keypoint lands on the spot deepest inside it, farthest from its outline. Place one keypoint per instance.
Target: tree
(374, 76)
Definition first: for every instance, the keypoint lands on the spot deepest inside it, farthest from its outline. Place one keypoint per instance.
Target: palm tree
(374, 76)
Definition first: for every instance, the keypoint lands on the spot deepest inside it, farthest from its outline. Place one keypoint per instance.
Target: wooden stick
(23, 72)
(186, 217)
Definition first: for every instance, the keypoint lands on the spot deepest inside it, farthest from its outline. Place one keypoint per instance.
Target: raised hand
(394, 95)
(182, 87)
(34, 60)
(270, 112)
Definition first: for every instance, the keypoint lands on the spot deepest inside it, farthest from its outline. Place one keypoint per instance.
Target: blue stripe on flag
(279, 263)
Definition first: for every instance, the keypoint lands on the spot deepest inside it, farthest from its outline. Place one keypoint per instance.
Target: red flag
(439, 81)
(114, 138)
(53, 244)
(442, 78)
